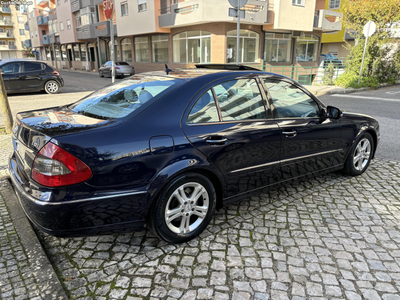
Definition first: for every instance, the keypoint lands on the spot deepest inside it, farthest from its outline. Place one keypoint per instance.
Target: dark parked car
(169, 149)
(122, 69)
(29, 76)
(329, 58)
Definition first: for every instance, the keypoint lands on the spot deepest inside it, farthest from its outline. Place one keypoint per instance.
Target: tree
(28, 52)
(382, 57)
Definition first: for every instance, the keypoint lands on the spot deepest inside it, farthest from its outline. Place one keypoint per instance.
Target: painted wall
(294, 17)
(64, 14)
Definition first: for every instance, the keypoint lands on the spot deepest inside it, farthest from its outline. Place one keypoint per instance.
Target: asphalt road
(382, 104)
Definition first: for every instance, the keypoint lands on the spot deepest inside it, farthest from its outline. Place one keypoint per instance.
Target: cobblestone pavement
(331, 237)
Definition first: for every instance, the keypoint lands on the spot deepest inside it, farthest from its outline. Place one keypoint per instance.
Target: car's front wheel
(360, 155)
(52, 87)
(184, 208)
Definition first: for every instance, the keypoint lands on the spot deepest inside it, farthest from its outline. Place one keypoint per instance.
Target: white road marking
(398, 92)
(365, 97)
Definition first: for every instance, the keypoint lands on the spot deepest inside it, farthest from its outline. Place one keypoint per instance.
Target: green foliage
(28, 52)
(348, 80)
(328, 74)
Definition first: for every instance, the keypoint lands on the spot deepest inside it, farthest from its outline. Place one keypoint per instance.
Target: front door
(310, 141)
(11, 76)
(230, 125)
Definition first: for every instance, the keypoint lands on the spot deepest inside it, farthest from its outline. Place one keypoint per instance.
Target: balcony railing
(86, 3)
(103, 29)
(6, 34)
(85, 32)
(8, 47)
(6, 23)
(328, 20)
(76, 5)
(46, 39)
(53, 14)
(42, 20)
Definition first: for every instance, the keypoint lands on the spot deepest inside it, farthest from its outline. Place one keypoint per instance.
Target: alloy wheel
(362, 154)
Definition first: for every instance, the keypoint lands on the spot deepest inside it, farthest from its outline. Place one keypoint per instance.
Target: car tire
(101, 74)
(175, 217)
(52, 87)
(360, 155)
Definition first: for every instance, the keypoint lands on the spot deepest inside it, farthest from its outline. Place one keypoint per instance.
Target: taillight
(53, 167)
(56, 73)
(117, 68)
(133, 67)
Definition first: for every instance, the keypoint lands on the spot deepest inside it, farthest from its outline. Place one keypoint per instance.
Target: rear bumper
(99, 214)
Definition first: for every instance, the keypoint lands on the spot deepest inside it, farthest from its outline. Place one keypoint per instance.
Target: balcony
(8, 47)
(5, 10)
(46, 40)
(54, 38)
(98, 2)
(85, 32)
(28, 43)
(328, 20)
(42, 20)
(6, 35)
(102, 29)
(86, 3)
(205, 11)
(76, 5)
(53, 14)
(6, 23)
(26, 26)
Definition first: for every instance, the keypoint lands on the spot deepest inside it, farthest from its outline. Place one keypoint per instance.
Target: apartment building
(12, 31)
(334, 42)
(182, 33)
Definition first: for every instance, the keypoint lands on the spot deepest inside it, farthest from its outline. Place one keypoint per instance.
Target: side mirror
(334, 112)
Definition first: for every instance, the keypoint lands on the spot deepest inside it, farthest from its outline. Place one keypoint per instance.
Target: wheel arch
(375, 139)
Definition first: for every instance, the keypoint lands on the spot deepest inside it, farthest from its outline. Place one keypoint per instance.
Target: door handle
(216, 140)
(290, 134)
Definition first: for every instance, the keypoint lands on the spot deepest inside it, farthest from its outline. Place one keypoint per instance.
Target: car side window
(31, 66)
(240, 99)
(11, 68)
(204, 110)
(290, 101)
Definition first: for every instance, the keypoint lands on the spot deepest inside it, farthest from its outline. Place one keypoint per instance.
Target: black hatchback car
(28, 76)
(169, 149)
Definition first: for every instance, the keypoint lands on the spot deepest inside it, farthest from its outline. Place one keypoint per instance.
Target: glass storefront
(277, 47)
(307, 47)
(76, 52)
(83, 52)
(142, 49)
(159, 48)
(126, 45)
(117, 56)
(192, 47)
(248, 46)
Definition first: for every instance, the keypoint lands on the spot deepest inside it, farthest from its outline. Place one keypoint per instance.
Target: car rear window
(122, 63)
(125, 97)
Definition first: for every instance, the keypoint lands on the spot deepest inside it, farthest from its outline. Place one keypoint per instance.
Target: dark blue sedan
(167, 150)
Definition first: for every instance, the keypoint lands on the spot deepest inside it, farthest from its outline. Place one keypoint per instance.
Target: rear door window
(204, 110)
(32, 66)
(240, 99)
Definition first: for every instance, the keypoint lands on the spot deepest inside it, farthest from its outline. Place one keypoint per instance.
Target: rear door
(11, 75)
(310, 141)
(230, 124)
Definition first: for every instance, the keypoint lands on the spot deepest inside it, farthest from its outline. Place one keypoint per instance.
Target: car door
(310, 141)
(11, 75)
(32, 75)
(230, 125)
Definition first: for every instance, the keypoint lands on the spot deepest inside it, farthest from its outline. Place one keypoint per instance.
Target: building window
(57, 53)
(61, 26)
(298, 2)
(2, 42)
(83, 52)
(159, 48)
(334, 4)
(142, 5)
(126, 45)
(307, 47)
(68, 24)
(63, 53)
(48, 53)
(142, 49)
(192, 47)
(248, 46)
(86, 16)
(20, 19)
(76, 52)
(36, 33)
(277, 47)
(124, 9)
(11, 43)
(116, 50)
(22, 32)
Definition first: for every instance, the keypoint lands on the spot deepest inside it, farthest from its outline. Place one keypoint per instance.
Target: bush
(328, 75)
(348, 80)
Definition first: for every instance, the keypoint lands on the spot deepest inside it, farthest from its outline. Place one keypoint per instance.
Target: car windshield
(125, 97)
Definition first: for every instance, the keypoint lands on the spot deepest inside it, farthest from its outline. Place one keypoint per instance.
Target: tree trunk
(5, 106)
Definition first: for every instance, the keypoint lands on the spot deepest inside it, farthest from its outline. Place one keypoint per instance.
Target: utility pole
(5, 106)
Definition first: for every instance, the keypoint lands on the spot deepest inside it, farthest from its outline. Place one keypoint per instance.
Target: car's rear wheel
(360, 155)
(52, 87)
(101, 74)
(184, 208)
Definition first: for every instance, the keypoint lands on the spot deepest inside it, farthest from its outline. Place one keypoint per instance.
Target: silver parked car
(122, 69)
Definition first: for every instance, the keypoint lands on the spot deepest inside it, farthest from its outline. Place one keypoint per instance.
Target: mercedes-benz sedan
(167, 150)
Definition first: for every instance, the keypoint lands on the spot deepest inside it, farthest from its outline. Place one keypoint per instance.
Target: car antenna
(167, 70)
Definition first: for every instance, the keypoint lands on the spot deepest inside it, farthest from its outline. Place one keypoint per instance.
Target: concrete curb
(46, 277)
